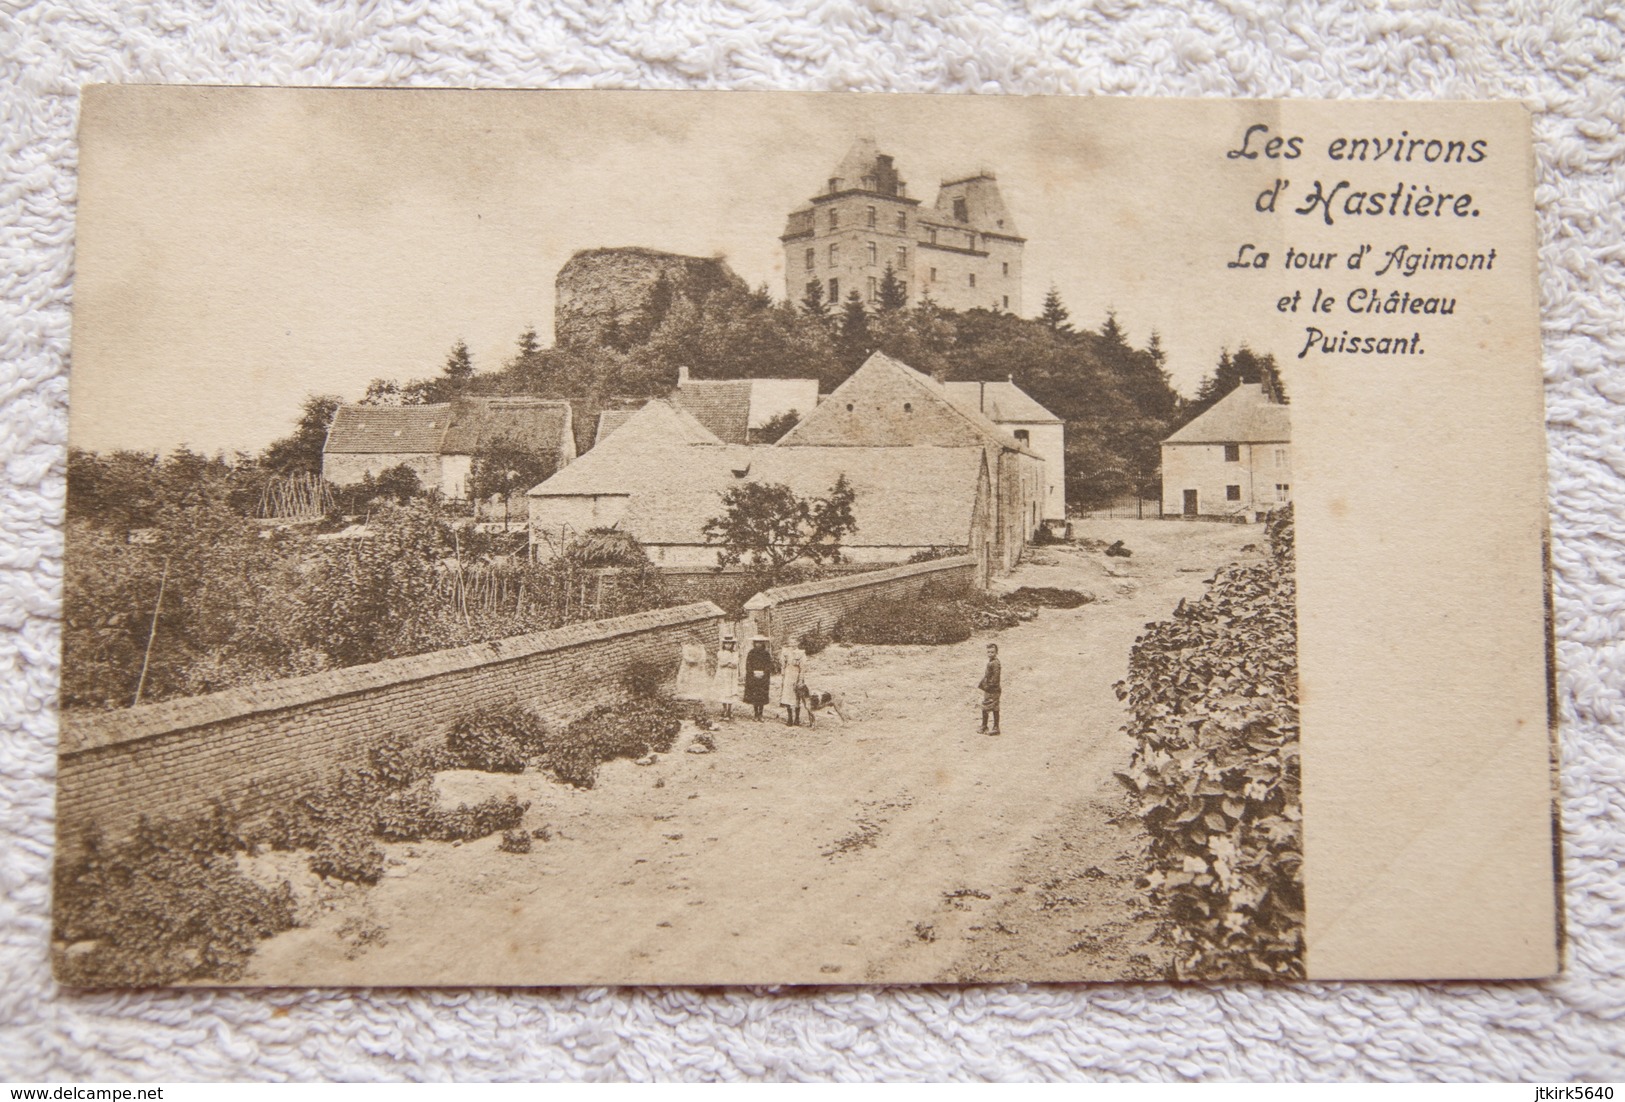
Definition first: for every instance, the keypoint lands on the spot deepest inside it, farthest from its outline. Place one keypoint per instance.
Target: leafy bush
(515, 841)
(631, 730)
(1043, 596)
(646, 680)
(415, 816)
(815, 641)
(941, 613)
(348, 853)
(496, 740)
(1215, 770)
(168, 905)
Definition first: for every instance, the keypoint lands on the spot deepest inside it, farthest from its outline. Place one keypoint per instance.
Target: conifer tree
(459, 364)
(893, 294)
(1055, 315)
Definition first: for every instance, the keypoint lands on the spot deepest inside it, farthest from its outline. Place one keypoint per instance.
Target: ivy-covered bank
(1214, 698)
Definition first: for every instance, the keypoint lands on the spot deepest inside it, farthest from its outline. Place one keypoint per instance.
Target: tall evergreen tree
(893, 295)
(855, 342)
(813, 300)
(528, 344)
(1055, 315)
(459, 364)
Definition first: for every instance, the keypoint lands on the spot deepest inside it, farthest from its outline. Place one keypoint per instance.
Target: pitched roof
(1244, 416)
(656, 439)
(721, 405)
(371, 430)
(535, 424)
(1001, 402)
(461, 427)
(610, 420)
(975, 420)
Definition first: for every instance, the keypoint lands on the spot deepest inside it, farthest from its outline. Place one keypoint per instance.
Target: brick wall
(796, 609)
(263, 744)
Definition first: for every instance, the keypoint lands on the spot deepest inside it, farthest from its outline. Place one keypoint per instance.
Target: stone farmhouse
(1233, 462)
(1034, 427)
(928, 473)
(964, 250)
(438, 442)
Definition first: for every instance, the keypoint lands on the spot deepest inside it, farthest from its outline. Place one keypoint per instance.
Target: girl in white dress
(692, 684)
(793, 662)
(725, 682)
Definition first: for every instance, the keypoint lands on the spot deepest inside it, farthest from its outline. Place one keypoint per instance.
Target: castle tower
(964, 252)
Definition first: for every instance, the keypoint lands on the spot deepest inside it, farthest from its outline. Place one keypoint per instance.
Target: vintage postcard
(713, 538)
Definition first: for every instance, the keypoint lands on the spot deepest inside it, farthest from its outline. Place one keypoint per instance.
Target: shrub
(348, 853)
(515, 841)
(815, 641)
(415, 816)
(646, 679)
(496, 740)
(1044, 596)
(168, 905)
(631, 730)
(1214, 714)
(943, 612)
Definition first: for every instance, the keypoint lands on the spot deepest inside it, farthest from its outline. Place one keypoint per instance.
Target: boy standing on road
(990, 690)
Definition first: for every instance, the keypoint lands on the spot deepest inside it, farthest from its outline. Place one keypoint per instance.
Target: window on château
(871, 217)
(1232, 453)
(874, 289)
(1280, 457)
(973, 279)
(932, 234)
(961, 211)
(834, 219)
(902, 257)
(933, 275)
(1232, 493)
(902, 221)
(834, 254)
(812, 259)
(874, 254)
(834, 184)
(1006, 267)
(1007, 302)
(835, 290)
(814, 288)
(970, 241)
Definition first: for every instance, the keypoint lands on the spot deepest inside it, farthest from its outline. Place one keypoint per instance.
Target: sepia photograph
(603, 538)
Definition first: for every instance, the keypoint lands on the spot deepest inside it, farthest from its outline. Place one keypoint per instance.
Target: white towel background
(1564, 60)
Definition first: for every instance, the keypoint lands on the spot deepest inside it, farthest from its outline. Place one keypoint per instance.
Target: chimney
(682, 374)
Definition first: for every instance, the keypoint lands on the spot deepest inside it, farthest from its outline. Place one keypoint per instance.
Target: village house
(887, 404)
(928, 474)
(1233, 462)
(963, 251)
(438, 442)
(661, 476)
(1034, 427)
(736, 411)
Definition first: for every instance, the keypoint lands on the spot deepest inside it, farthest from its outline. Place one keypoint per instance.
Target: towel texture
(1562, 59)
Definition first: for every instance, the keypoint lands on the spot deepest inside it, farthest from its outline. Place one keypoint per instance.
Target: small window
(849, 407)
(834, 219)
(834, 184)
(902, 257)
(1007, 302)
(1006, 267)
(871, 217)
(874, 289)
(812, 259)
(902, 221)
(961, 211)
(970, 241)
(814, 288)
(908, 407)
(1282, 491)
(874, 254)
(835, 290)
(933, 275)
(1232, 453)
(1232, 493)
(973, 279)
(1023, 436)
(932, 234)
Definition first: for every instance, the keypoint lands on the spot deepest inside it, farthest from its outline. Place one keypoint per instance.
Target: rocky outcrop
(616, 296)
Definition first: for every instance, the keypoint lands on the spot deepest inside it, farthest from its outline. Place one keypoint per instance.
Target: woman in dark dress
(758, 674)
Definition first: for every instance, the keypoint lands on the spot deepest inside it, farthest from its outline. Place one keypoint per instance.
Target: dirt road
(901, 847)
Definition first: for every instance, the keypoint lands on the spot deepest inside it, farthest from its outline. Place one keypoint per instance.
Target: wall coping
(767, 598)
(94, 730)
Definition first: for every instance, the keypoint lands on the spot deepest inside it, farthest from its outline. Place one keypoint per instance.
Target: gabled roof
(721, 405)
(610, 420)
(372, 430)
(534, 424)
(461, 427)
(928, 387)
(1000, 402)
(657, 440)
(1244, 416)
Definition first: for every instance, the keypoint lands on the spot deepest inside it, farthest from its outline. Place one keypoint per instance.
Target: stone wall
(263, 744)
(794, 610)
